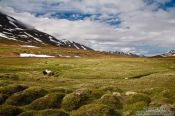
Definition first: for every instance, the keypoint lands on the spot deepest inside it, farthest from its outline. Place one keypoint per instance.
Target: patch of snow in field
(29, 46)
(34, 55)
(64, 56)
(76, 56)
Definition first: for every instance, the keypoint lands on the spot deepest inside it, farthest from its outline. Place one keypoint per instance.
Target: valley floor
(86, 86)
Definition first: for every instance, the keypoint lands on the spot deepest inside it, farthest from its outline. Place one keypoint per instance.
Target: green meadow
(104, 86)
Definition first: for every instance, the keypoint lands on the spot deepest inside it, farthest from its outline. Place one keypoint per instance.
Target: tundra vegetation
(110, 86)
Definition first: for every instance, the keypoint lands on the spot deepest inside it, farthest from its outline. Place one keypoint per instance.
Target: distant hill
(168, 54)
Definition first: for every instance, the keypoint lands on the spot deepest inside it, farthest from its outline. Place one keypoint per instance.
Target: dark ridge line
(141, 76)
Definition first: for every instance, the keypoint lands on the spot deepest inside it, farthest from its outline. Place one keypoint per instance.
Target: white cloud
(140, 24)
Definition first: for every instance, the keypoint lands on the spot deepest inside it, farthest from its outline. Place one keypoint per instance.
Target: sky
(137, 26)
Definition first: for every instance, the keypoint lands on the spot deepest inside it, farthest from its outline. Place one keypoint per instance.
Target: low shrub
(26, 97)
(95, 110)
(52, 100)
(8, 110)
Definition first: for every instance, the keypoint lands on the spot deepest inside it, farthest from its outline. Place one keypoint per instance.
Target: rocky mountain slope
(12, 29)
(169, 54)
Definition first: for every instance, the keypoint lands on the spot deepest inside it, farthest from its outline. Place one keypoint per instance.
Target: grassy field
(85, 86)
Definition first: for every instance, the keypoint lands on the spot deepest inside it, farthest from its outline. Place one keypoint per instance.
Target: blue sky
(137, 26)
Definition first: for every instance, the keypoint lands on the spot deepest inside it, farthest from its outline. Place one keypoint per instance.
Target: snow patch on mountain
(6, 37)
(13, 24)
(76, 46)
(83, 47)
(168, 54)
(33, 37)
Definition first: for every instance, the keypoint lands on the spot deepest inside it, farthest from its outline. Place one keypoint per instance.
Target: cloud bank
(137, 26)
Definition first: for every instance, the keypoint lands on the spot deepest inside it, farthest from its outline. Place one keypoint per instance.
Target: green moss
(95, 110)
(131, 109)
(53, 112)
(3, 97)
(74, 100)
(110, 100)
(161, 101)
(168, 94)
(26, 96)
(28, 113)
(61, 90)
(109, 89)
(138, 98)
(47, 112)
(8, 110)
(52, 100)
(9, 76)
(12, 89)
(96, 93)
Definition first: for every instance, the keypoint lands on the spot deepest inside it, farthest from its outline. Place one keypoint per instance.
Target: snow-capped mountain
(169, 54)
(124, 54)
(12, 29)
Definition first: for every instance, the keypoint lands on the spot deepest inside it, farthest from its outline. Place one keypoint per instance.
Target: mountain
(124, 54)
(14, 30)
(168, 54)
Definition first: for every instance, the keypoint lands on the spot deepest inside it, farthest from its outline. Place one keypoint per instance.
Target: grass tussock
(138, 98)
(49, 101)
(110, 89)
(131, 109)
(3, 97)
(95, 110)
(8, 110)
(61, 90)
(47, 112)
(26, 97)
(111, 101)
(76, 99)
(11, 89)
